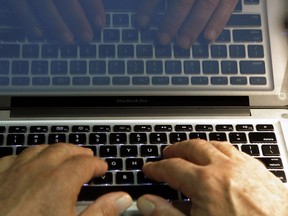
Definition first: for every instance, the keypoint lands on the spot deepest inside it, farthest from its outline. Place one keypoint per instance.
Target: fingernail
(211, 35)
(184, 42)
(68, 38)
(164, 38)
(145, 206)
(123, 202)
(86, 37)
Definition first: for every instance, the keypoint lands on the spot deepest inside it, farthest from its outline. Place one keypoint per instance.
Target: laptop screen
(136, 48)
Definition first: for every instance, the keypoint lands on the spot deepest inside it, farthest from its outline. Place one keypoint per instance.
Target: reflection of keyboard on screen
(126, 147)
(124, 57)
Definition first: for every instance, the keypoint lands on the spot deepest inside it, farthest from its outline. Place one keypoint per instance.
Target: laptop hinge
(129, 106)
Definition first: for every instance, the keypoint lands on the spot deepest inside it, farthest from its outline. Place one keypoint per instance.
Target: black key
(128, 151)
(173, 67)
(149, 150)
(272, 163)
(122, 128)
(161, 128)
(124, 178)
(17, 129)
(20, 149)
(252, 150)
(177, 137)
(97, 67)
(256, 51)
(242, 20)
(251, 2)
(36, 139)
(124, 5)
(111, 35)
(15, 139)
(270, 150)
(138, 138)
(125, 51)
(210, 67)
(135, 67)
(144, 51)
(5, 151)
(130, 35)
(158, 138)
(69, 51)
(60, 129)
(154, 67)
(247, 127)
(108, 151)
(39, 68)
(2, 129)
(56, 138)
(264, 127)
(198, 136)
(114, 163)
(204, 128)
(237, 138)
(4, 67)
(280, 174)
(81, 128)
(101, 128)
(142, 179)
(219, 51)
(142, 128)
(224, 36)
(88, 51)
(93, 192)
(59, 67)
(181, 53)
(200, 51)
(247, 35)
(252, 67)
(224, 127)
(229, 67)
(1, 139)
(38, 129)
(134, 163)
(78, 138)
(118, 138)
(107, 51)
(239, 6)
(237, 51)
(97, 138)
(20, 67)
(11, 35)
(192, 67)
(93, 148)
(262, 137)
(78, 67)
(30, 51)
(163, 51)
(50, 51)
(218, 136)
(120, 20)
(183, 128)
(107, 178)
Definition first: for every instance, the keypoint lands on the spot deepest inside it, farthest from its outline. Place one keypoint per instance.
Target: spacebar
(90, 193)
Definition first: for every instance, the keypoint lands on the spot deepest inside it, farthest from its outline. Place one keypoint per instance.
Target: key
(270, 150)
(272, 163)
(56, 138)
(59, 67)
(60, 129)
(124, 178)
(36, 139)
(192, 67)
(138, 138)
(158, 138)
(134, 163)
(142, 128)
(81, 128)
(11, 35)
(149, 151)
(128, 151)
(218, 136)
(38, 129)
(15, 139)
(20, 67)
(243, 20)
(237, 138)
(135, 67)
(252, 150)
(5, 151)
(97, 138)
(125, 51)
(247, 35)
(204, 128)
(107, 178)
(252, 67)
(101, 128)
(77, 138)
(17, 129)
(163, 128)
(198, 136)
(111, 35)
(108, 151)
(177, 137)
(114, 163)
(97, 67)
(183, 128)
(262, 137)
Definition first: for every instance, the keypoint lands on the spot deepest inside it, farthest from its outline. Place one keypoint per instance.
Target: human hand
(45, 180)
(65, 20)
(218, 179)
(187, 19)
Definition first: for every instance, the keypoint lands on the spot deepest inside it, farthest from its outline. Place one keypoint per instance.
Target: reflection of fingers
(145, 11)
(176, 15)
(6, 162)
(109, 205)
(73, 14)
(53, 21)
(197, 151)
(27, 18)
(219, 19)
(83, 169)
(150, 205)
(178, 173)
(196, 22)
(95, 12)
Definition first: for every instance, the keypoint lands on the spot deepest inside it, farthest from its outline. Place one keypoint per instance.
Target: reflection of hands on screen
(188, 19)
(65, 20)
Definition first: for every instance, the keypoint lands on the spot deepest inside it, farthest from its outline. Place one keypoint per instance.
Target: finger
(145, 12)
(109, 205)
(78, 170)
(219, 19)
(183, 178)
(226, 148)
(27, 18)
(74, 16)
(196, 22)
(150, 205)
(175, 16)
(94, 10)
(6, 162)
(52, 20)
(200, 152)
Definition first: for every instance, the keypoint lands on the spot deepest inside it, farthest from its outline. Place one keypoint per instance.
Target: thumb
(150, 205)
(110, 204)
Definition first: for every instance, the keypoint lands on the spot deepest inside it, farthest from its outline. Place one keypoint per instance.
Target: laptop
(126, 97)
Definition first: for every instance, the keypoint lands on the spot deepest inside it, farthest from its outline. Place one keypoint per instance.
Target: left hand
(46, 180)
(187, 19)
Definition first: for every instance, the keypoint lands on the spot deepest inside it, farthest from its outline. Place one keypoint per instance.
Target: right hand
(218, 179)
(64, 20)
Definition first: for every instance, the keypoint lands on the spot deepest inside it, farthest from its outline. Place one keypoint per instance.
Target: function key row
(136, 128)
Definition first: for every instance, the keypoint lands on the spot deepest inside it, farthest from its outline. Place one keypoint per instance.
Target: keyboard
(122, 57)
(127, 147)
